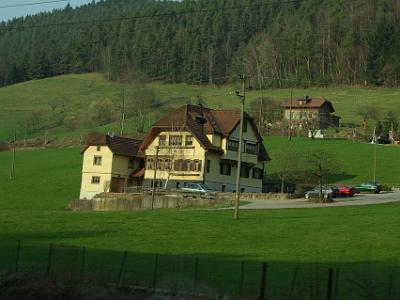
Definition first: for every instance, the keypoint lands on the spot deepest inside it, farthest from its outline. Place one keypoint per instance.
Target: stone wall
(126, 202)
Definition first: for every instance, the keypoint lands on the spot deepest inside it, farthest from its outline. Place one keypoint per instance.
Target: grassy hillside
(27, 103)
(355, 160)
(33, 209)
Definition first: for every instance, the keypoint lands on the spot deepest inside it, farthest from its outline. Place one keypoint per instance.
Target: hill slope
(29, 104)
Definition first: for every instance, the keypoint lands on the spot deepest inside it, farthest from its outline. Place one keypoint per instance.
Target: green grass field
(33, 209)
(18, 101)
(355, 160)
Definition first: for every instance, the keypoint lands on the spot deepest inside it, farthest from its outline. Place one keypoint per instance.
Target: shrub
(387, 188)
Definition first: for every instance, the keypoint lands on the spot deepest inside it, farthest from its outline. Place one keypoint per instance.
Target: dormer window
(200, 120)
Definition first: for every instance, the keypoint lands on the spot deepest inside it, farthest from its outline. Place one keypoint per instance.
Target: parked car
(370, 187)
(335, 190)
(346, 191)
(197, 189)
(327, 192)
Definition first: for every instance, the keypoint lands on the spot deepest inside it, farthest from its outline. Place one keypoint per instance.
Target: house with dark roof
(310, 113)
(198, 144)
(110, 163)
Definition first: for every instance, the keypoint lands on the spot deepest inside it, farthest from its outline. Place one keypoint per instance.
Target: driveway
(359, 199)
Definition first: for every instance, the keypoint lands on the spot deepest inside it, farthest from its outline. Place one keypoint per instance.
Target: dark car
(346, 191)
(370, 187)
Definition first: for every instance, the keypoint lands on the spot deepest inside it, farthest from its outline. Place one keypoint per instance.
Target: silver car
(327, 192)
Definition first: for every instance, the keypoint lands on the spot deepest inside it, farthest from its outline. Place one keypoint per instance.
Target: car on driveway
(369, 187)
(346, 191)
(327, 193)
(197, 189)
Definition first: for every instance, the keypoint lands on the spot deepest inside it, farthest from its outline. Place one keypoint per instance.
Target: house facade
(109, 165)
(310, 113)
(197, 144)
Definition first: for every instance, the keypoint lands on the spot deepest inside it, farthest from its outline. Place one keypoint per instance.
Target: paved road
(360, 199)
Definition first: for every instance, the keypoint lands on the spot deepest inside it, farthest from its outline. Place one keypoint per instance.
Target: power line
(131, 18)
(32, 3)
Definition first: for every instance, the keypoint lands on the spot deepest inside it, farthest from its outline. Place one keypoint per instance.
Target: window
(178, 165)
(150, 164)
(175, 140)
(225, 168)
(98, 148)
(197, 165)
(258, 173)
(250, 148)
(245, 171)
(97, 161)
(208, 166)
(189, 140)
(244, 125)
(233, 145)
(95, 179)
(162, 140)
(131, 163)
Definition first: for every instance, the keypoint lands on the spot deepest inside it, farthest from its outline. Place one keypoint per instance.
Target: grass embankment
(33, 209)
(355, 161)
(78, 91)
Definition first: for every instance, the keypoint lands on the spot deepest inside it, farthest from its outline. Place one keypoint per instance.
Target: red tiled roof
(310, 103)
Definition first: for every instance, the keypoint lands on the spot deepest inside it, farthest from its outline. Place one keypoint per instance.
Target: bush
(387, 188)
(4, 146)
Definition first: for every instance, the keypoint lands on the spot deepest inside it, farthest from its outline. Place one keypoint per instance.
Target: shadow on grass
(211, 274)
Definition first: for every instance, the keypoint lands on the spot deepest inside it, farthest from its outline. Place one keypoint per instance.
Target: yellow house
(109, 165)
(197, 144)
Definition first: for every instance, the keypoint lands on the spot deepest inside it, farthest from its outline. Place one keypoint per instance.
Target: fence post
(121, 270)
(196, 270)
(293, 282)
(330, 285)
(263, 281)
(390, 287)
(49, 260)
(155, 271)
(241, 279)
(17, 257)
(336, 284)
(82, 263)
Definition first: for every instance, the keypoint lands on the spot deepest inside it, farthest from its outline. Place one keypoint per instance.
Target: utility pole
(290, 114)
(123, 112)
(242, 97)
(154, 178)
(12, 172)
(375, 153)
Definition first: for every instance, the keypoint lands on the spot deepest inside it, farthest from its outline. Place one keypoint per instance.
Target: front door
(117, 185)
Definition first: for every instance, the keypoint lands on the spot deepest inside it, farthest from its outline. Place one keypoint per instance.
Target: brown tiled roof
(118, 145)
(202, 121)
(310, 103)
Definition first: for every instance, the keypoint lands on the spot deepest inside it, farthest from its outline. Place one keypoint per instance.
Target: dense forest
(275, 42)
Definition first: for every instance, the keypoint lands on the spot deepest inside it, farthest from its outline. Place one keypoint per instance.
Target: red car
(346, 191)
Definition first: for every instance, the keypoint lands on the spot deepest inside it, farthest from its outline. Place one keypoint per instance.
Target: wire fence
(205, 275)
